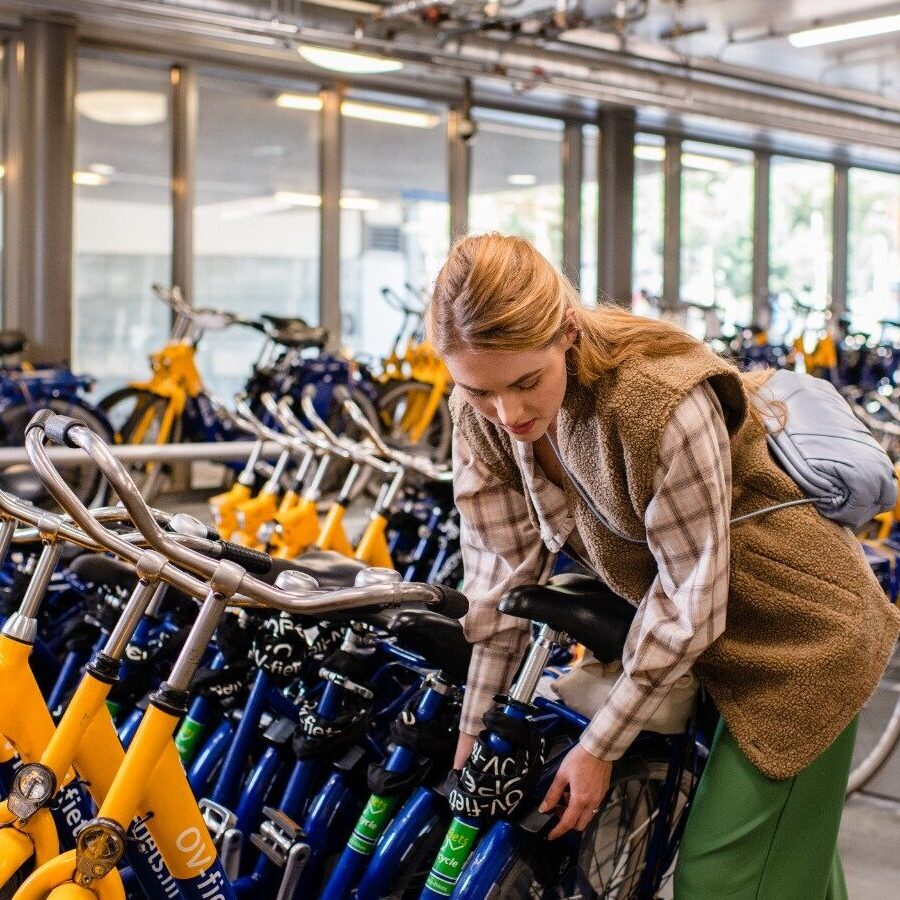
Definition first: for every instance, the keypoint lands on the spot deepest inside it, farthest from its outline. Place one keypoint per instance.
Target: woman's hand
(463, 748)
(587, 779)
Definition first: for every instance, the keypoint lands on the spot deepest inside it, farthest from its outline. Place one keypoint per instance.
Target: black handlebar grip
(453, 603)
(252, 560)
(57, 427)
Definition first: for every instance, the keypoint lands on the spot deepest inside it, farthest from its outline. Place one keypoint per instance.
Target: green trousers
(751, 838)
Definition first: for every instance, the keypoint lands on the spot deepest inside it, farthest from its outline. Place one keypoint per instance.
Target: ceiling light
(389, 115)
(364, 204)
(707, 163)
(102, 169)
(522, 180)
(829, 34)
(2, 171)
(309, 102)
(346, 61)
(123, 107)
(89, 179)
(291, 198)
(649, 153)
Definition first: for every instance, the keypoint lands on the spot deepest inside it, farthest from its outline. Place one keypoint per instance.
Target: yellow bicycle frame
(223, 508)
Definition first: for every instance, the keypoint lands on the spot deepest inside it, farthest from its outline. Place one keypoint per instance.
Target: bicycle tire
(437, 438)
(531, 873)
(16, 880)
(126, 409)
(870, 762)
(82, 478)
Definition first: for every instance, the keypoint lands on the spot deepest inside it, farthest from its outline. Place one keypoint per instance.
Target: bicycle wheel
(879, 729)
(136, 416)
(614, 848)
(400, 405)
(21, 480)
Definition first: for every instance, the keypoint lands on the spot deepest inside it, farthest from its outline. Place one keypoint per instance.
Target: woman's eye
(530, 387)
(475, 393)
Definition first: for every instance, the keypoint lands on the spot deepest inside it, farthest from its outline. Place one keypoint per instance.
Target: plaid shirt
(682, 613)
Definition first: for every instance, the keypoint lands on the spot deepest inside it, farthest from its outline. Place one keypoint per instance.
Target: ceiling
(735, 32)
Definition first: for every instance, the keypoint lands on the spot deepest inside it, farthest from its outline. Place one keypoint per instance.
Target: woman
(780, 617)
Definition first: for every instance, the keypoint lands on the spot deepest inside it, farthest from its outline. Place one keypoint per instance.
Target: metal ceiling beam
(695, 86)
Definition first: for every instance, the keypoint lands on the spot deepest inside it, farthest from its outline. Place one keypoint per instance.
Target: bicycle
(502, 852)
(188, 853)
(25, 389)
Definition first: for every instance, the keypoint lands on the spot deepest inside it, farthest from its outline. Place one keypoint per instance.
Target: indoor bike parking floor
(870, 828)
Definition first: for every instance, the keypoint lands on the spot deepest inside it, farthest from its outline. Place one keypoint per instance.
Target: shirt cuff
(619, 721)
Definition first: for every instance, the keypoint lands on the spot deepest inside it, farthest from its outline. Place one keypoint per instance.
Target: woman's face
(521, 391)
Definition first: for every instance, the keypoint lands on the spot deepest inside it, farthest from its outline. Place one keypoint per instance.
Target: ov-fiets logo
(190, 842)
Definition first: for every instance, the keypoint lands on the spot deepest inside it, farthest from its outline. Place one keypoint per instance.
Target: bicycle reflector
(98, 848)
(32, 788)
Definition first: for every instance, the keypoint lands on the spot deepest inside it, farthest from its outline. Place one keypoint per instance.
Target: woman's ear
(570, 334)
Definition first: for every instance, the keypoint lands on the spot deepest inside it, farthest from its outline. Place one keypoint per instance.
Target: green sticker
(114, 708)
(451, 858)
(187, 738)
(371, 823)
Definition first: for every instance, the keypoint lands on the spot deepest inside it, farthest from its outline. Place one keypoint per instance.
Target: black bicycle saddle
(438, 639)
(584, 607)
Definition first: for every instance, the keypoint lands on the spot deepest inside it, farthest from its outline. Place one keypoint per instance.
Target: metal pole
(459, 163)
(839, 237)
(330, 176)
(214, 452)
(672, 223)
(13, 260)
(48, 159)
(184, 151)
(615, 174)
(762, 312)
(573, 170)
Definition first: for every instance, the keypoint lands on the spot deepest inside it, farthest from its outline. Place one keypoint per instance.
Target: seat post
(535, 662)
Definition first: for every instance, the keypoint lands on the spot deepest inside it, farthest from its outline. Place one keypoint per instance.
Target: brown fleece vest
(808, 631)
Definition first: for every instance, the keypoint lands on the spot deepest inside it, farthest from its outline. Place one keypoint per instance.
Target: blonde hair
(499, 293)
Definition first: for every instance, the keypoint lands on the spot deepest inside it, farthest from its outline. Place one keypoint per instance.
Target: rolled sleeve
(500, 549)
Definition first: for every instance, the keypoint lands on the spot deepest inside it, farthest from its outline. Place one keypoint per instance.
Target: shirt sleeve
(500, 549)
(683, 612)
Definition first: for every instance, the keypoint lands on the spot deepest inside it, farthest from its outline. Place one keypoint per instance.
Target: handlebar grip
(55, 426)
(252, 560)
(453, 604)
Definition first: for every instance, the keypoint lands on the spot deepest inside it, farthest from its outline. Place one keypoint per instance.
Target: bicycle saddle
(99, 569)
(436, 638)
(12, 341)
(332, 570)
(279, 323)
(300, 337)
(584, 607)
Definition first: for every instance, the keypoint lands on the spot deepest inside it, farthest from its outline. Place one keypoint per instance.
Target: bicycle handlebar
(47, 425)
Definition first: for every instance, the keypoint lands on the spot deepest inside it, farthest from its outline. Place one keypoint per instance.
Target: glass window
(256, 219)
(395, 219)
(873, 282)
(717, 229)
(122, 218)
(800, 214)
(649, 200)
(590, 211)
(517, 179)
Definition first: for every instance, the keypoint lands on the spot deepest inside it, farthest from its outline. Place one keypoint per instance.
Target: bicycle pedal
(221, 823)
(278, 835)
